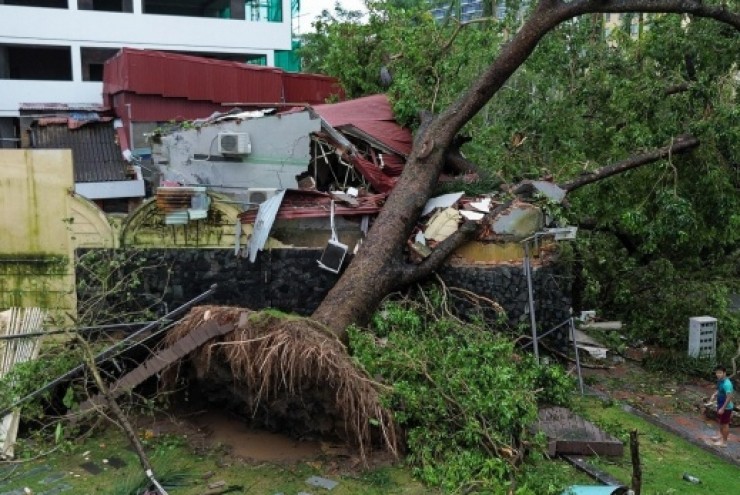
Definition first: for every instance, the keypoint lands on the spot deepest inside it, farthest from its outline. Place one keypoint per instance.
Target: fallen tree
(279, 353)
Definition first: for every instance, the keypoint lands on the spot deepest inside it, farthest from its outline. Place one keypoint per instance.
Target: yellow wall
(91, 228)
(145, 228)
(36, 251)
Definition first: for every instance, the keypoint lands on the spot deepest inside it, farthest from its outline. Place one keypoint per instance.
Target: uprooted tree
(267, 353)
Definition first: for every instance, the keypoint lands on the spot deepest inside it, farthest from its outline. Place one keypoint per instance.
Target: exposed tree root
(274, 358)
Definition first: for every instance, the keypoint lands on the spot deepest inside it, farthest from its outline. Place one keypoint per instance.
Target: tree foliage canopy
(658, 244)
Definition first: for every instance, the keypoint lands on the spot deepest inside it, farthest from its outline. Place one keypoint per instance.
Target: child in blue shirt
(724, 405)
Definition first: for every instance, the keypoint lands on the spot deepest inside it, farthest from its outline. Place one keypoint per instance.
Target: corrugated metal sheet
(314, 204)
(263, 224)
(96, 155)
(169, 75)
(65, 107)
(149, 108)
(371, 115)
(310, 88)
(150, 72)
(170, 199)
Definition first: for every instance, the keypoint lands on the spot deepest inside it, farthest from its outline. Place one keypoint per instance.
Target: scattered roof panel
(372, 115)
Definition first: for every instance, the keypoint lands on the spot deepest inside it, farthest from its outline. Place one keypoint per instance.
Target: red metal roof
(200, 79)
(371, 115)
(310, 88)
(315, 204)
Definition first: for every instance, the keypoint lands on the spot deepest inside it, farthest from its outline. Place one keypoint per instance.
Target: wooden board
(187, 344)
(570, 434)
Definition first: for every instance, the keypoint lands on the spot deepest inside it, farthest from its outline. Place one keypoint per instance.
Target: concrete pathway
(695, 429)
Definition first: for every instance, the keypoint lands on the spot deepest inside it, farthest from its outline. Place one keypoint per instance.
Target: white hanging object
(334, 252)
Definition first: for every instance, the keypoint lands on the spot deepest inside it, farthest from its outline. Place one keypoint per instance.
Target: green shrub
(465, 396)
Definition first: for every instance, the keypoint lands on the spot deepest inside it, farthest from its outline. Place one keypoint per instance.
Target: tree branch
(695, 7)
(547, 15)
(414, 273)
(460, 26)
(681, 144)
(455, 160)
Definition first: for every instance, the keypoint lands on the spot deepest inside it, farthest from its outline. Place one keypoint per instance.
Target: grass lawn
(188, 471)
(185, 472)
(665, 457)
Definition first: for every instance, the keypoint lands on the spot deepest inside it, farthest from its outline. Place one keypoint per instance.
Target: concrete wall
(280, 151)
(290, 280)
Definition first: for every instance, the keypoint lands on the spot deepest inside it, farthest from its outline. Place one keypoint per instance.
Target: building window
(93, 60)
(53, 4)
(36, 62)
(188, 8)
(253, 10)
(264, 10)
(256, 59)
(106, 5)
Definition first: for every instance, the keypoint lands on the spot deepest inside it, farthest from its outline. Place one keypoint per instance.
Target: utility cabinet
(703, 337)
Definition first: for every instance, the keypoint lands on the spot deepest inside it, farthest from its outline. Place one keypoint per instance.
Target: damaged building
(263, 188)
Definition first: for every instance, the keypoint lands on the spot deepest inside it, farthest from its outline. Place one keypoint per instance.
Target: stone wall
(290, 280)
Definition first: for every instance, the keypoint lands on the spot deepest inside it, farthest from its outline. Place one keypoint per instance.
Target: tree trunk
(378, 268)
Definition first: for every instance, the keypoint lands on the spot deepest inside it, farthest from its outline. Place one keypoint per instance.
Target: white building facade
(53, 51)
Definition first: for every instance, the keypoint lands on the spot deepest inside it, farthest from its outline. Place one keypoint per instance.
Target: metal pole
(578, 359)
(112, 351)
(98, 328)
(532, 320)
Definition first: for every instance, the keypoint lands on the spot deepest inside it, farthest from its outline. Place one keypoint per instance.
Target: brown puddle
(254, 444)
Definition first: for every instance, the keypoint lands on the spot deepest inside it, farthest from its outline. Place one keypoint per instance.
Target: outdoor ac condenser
(234, 143)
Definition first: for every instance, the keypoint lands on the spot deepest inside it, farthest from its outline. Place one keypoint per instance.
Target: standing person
(724, 405)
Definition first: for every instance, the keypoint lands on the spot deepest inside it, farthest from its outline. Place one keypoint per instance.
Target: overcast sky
(311, 8)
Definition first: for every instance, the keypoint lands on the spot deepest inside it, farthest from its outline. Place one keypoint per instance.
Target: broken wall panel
(280, 151)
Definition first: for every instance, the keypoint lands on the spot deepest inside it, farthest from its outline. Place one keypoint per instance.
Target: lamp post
(558, 234)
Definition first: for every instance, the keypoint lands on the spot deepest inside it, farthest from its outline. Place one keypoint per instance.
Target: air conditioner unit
(258, 195)
(234, 143)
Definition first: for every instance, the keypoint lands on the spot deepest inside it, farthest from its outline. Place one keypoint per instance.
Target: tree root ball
(288, 373)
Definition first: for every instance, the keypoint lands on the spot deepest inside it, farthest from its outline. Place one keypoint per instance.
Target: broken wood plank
(160, 361)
